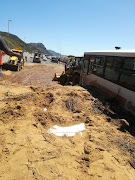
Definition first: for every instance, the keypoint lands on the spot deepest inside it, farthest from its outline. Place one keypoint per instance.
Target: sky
(71, 27)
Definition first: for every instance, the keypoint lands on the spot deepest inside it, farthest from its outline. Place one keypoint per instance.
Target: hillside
(14, 42)
(41, 47)
(54, 53)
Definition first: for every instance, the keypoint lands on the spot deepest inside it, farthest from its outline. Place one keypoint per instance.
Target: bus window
(134, 65)
(109, 61)
(99, 61)
(99, 65)
(127, 78)
(129, 63)
(112, 70)
(117, 62)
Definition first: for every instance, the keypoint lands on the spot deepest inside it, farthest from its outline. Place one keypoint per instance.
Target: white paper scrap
(68, 131)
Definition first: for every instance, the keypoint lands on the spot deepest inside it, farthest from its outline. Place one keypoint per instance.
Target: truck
(37, 57)
(72, 71)
(14, 63)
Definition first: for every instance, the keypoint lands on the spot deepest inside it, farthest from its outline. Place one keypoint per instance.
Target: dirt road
(37, 74)
(104, 151)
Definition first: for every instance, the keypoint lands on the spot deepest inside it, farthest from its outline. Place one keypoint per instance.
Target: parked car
(54, 59)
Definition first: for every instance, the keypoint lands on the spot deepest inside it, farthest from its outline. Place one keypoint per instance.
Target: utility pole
(8, 31)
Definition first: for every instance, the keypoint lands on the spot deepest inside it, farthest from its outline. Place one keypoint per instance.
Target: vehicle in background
(44, 58)
(14, 63)
(49, 57)
(112, 72)
(72, 71)
(54, 59)
(37, 57)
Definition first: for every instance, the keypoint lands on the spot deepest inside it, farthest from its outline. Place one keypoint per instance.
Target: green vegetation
(14, 42)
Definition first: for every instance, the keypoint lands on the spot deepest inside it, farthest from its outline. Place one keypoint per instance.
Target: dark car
(54, 59)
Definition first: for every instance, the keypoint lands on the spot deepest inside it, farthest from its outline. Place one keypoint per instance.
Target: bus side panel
(123, 95)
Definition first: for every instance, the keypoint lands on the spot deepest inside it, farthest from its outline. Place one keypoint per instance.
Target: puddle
(67, 131)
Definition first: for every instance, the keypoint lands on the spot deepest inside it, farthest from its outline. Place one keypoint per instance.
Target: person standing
(58, 60)
(65, 66)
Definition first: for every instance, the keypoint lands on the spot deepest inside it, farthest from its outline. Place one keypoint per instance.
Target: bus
(113, 72)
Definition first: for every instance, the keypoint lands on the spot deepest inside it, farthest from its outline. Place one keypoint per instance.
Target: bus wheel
(76, 79)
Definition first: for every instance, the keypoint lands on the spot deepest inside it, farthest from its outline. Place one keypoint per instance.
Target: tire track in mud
(37, 75)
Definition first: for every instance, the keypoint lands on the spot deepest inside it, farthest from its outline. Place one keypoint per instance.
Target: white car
(44, 58)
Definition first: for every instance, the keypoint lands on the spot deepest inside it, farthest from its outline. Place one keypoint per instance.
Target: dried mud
(27, 151)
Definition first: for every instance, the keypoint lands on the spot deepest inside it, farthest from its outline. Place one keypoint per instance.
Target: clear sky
(71, 26)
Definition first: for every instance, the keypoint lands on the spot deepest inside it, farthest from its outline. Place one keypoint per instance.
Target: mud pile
(27, 151)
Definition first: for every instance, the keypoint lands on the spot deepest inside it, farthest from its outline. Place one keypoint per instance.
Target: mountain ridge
(13, 41)
(41, 47)
(54, 53)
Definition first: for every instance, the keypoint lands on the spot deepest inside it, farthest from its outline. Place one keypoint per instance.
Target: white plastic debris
(67, 131)
(45, 109)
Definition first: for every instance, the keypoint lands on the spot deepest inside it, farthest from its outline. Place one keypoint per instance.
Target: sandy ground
(105, 151)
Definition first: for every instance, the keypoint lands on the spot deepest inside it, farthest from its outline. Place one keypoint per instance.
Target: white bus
(113, 72)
